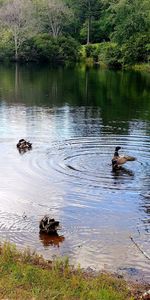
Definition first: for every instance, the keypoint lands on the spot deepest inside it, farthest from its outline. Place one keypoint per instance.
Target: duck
(23, 145)
(48, 225)
(119, 160)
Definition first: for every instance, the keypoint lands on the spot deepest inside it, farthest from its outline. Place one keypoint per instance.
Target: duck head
(116, 151)
(117, 148)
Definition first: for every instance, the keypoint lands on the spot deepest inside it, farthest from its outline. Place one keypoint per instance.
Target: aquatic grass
(24, 275)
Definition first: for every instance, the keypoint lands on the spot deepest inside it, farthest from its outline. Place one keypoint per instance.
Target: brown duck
(119, 160)
(23, 145)
(48, 225)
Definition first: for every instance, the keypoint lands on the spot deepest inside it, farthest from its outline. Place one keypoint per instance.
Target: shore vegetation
(26, 275)
(113, 32)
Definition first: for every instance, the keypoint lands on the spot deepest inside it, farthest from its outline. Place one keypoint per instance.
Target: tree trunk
(88, 21)
(16, 47)
(88, 30)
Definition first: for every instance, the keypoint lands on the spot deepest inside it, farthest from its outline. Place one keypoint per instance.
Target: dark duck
(119, 160)
(48, 225)
(23, 145)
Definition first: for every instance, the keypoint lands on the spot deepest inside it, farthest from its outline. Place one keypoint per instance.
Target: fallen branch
(144, 253)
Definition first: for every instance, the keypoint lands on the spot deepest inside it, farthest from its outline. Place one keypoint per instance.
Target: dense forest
(114, 32)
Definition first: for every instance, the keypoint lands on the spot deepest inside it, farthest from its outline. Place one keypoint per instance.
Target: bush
(91, 51)
(48, 49)
(136, 50)
(41, 48)
(68, 49)
(28, 51)
(113, 57)
(110, 54)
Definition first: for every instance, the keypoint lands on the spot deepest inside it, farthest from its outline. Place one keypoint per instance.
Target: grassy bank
(26, 276)
(142, 67)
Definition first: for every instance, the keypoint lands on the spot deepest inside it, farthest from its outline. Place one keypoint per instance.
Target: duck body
(119, 160)
(23, 145)
(48, 225)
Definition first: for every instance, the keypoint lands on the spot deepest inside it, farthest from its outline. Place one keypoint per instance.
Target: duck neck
(116, 153)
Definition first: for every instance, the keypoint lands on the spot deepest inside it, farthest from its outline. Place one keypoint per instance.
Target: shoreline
(135, 67)
(86, 62)
(27, 275)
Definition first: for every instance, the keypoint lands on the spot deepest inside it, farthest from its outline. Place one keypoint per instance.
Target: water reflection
(122, 171)
(23, 151)
(51, 240)
(118, 94)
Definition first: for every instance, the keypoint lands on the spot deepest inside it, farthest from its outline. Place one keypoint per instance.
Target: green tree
(16, 17)
(131, 18)
(86, 11)
(55, 14)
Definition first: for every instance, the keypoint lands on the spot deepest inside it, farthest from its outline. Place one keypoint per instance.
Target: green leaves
(131, 17)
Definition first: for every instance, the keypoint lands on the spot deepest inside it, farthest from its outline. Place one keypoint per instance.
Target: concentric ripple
(73, 181)
(75, 118)
(88, 161)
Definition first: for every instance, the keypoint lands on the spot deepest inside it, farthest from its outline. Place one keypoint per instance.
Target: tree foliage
(52, 30)
(55, 15)
(131, 18)
(17, 17)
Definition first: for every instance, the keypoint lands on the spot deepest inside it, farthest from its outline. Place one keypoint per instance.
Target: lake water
(75, 118)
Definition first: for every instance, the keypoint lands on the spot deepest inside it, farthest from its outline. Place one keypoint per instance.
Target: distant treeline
(115, 32)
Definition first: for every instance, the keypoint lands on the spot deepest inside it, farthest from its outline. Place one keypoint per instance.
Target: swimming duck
(119, 160)
(23, 145)
(48, 225)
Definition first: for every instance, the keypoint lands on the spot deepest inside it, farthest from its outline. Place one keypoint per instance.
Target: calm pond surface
(75, 118)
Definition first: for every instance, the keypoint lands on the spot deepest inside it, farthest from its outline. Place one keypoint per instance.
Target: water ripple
(88, 161)
(73, 181)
